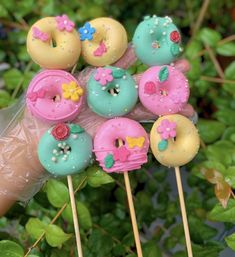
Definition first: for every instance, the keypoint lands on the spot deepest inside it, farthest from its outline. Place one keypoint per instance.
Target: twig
(14, 25)
(217, 80)
(201, 16)
(215, 61)
(54, 219)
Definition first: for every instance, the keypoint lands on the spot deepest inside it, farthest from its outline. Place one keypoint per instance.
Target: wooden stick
(75, 216)
(132, 210)
(183, 212)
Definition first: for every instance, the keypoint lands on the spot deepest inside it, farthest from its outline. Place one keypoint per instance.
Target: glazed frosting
(174, 140)
(65, 149)
(131, 155)
(54, 96)
(156, 41)
(163, 90)
(112, 92)
(104, 41)
(53, 43)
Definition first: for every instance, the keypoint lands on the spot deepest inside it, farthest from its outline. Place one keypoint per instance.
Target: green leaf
(97, 177)
(3, 12)
(76, 129)
(225, 116)
(193, 49)
(12, 78)
(109, 161)
(218, 213)
(230, 75)
(230, 176)
(118, 73)
(227, 49)
(209, 36)
(10, 249)
(55, 236)
(163, 74)
(84, 215)
(35, 227)
(57, 193)
(210, 249)
(230, 240)
(151, 249)
(210, 130)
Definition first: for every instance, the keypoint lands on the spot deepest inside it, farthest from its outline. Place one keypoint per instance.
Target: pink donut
(131, 155)
(163, 90)
(54, 96)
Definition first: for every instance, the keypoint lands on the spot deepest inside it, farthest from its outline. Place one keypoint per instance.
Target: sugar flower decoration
(121, 154)
(167, 129)
(72, 91)
(38, 34)
(175, 36)
(86, 32)
(64, 23)
(61, 132)
(150, 88)
(103, 76)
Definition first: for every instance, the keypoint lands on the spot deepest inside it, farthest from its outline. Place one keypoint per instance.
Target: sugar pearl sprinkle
(63, 151)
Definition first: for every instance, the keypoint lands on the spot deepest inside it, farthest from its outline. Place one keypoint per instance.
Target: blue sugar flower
(86, 32)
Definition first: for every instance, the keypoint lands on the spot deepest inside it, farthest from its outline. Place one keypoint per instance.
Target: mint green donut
(65, 149)
(112, 92)
(156, 41)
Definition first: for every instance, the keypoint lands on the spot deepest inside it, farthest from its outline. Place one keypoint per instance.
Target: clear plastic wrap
(21, 172)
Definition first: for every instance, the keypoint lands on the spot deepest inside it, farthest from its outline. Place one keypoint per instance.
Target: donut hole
(56, 98)
(163, 92)
(114, 91)
(65, 150)
(53, 43)
(119, 142)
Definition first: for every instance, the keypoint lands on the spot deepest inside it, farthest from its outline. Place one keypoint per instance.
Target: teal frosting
(107, 105)
(155, 31)
(79, 145)
(162, 145)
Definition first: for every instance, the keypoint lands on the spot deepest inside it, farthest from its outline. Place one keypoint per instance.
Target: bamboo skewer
(183, 212)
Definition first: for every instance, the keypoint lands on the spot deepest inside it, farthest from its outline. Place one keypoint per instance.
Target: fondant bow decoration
(135, 141)
(37, 33)
(33, 96)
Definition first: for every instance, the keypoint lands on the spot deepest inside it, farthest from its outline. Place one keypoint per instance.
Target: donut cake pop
(130, 155)
(54, 96)
(157, 41)
(111, 92)
(65, 149)
(163, 90)
(53, 43)
(104, 41)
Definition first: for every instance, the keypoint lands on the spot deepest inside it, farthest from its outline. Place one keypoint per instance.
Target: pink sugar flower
(64, 23)
(103, 76)
(121, 154)
(38, 34)
(167, 129)
(150, 88)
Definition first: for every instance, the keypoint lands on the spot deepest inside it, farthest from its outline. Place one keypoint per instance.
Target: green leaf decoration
(55, 236)
(57, 193)
(218, 213)
(35, 227)
(118, 73)
(230, 240)
(162, 145)
(163, 74)
(10, 249)
(109, 161)
(84, 215)
(98, 177)
(76, 129)
(175, 49)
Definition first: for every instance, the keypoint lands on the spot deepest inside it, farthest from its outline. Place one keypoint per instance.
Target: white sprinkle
(136, 86)
(53, 159)
(164, 33)
(124, 77)
(54, 151)
(151, 31)
(75, 136)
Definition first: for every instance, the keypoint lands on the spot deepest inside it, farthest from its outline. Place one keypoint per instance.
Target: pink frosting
(128, 157)
(44, 87)
(163, 96)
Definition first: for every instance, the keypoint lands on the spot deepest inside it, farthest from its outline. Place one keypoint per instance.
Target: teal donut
(156, 41)
(65, 149)
(112, 92)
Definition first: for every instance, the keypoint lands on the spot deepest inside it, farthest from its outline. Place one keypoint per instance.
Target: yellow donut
(60, 32)
(174, 140)
(106, 43)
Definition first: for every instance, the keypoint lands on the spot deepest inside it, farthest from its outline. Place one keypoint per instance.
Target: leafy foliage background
(44, 228)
